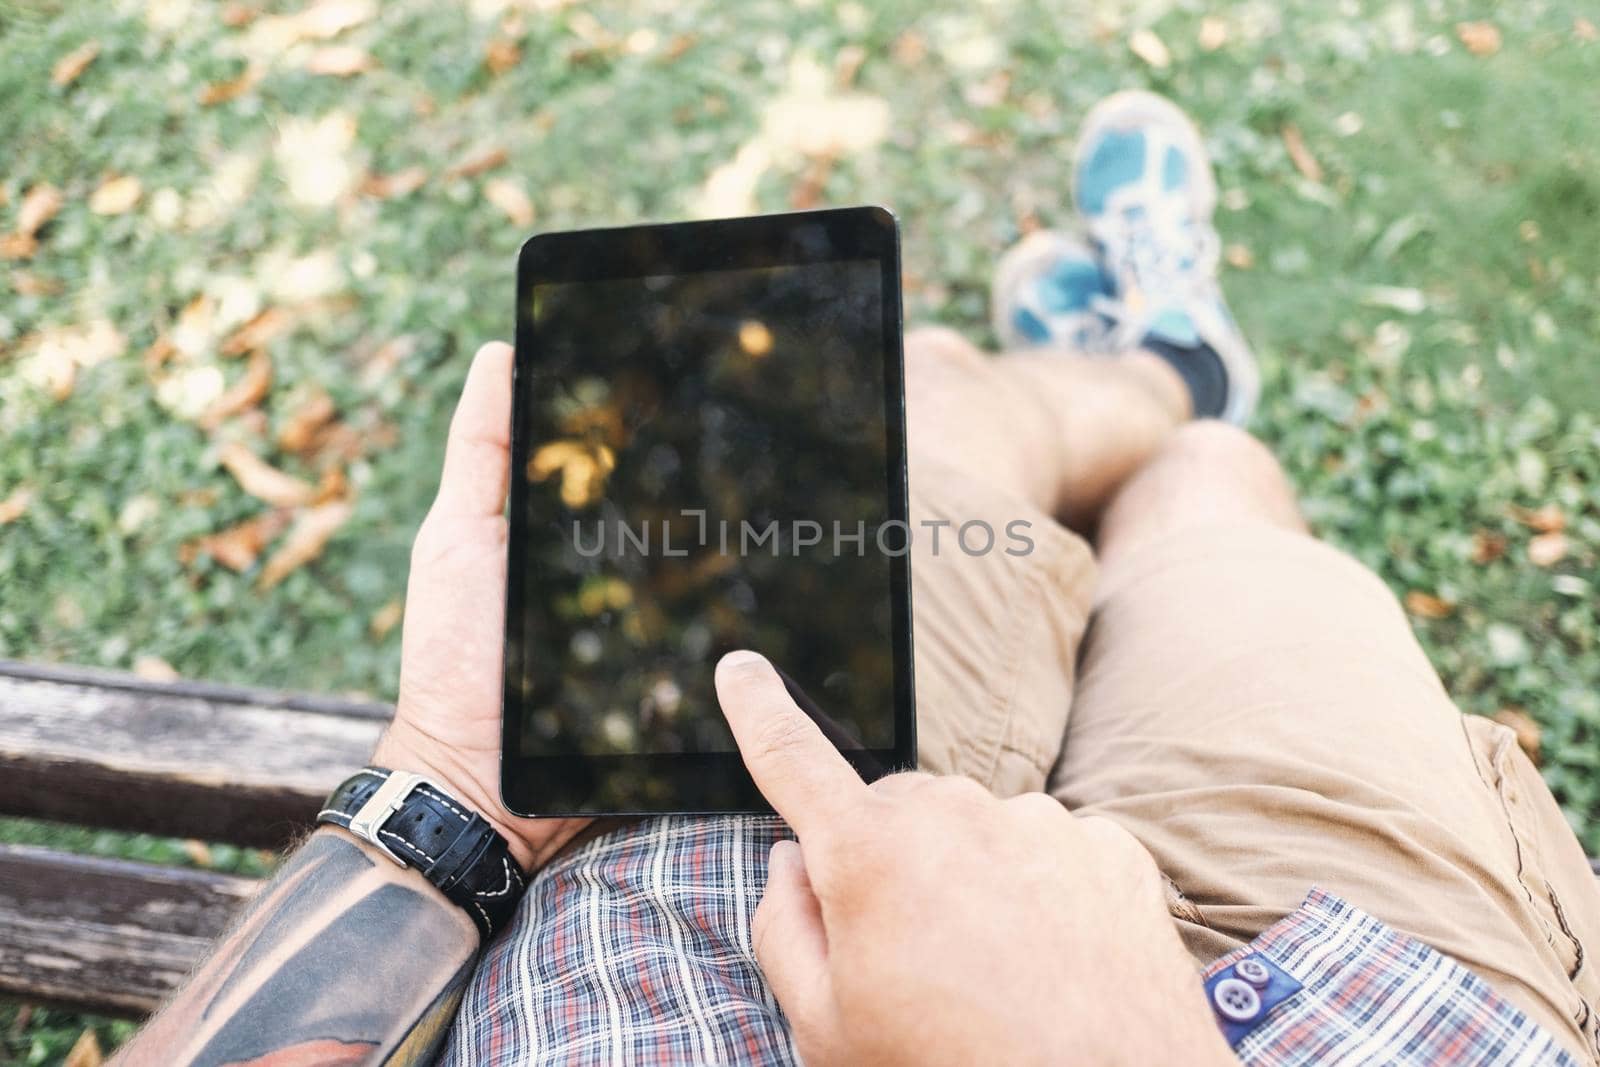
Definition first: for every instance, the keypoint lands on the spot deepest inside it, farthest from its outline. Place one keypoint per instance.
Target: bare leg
(1060, 431)
(1208, 472)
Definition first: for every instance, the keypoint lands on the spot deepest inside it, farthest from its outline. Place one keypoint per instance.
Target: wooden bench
(181, 759)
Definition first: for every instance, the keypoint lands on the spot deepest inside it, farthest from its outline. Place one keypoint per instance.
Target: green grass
(1412, 421)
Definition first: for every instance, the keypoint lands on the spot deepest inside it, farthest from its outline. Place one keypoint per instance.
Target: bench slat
(220, 763)
(104, 935)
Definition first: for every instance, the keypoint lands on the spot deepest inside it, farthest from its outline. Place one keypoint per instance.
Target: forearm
(344, 958)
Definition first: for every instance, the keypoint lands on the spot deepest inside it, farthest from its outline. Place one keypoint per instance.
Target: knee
(939, 343)
(1223, 447)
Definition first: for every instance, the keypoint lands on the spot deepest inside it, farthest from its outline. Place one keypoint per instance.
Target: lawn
(243, 236)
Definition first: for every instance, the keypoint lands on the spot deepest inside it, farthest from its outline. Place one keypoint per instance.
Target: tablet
(708, 453)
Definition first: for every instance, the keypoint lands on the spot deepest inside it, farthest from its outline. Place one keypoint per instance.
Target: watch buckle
(384, 802)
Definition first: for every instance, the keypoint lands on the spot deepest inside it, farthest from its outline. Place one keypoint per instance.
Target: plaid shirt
(635, 949)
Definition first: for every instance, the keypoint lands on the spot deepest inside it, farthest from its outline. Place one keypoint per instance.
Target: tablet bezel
(578, 784)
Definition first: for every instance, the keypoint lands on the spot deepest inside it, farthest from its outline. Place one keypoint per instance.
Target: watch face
(708, 454)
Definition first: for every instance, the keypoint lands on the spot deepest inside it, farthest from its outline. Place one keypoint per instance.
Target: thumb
(792, 946)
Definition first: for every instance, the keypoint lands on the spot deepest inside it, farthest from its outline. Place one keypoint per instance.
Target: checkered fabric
(1371, 995)
(635, 949)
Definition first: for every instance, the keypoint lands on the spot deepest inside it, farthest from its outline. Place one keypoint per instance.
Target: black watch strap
(417, 824)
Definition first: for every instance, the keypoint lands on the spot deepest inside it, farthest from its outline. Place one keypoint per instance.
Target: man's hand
(922, 921)
(447, 722)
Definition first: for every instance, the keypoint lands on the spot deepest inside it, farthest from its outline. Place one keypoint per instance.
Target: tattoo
(341, 960)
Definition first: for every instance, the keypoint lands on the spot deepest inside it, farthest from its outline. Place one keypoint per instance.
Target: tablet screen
(707, 463)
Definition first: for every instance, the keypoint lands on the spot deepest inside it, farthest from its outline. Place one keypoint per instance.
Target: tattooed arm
(346, 958)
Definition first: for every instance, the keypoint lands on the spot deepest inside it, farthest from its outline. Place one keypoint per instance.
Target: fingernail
(739, 658)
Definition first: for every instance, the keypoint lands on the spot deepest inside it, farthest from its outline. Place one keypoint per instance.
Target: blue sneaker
(1044, 294)
(1143, 184)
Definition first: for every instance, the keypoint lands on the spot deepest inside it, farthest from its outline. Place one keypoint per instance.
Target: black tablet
(708, 453)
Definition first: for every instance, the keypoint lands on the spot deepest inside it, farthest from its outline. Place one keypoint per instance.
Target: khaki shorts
(1252, 706)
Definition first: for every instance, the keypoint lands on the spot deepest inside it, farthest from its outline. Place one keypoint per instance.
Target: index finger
(796, 768)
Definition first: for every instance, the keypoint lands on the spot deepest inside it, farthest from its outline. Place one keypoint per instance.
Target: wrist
(399, 750)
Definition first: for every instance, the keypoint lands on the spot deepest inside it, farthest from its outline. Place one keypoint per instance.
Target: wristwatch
(413, 821)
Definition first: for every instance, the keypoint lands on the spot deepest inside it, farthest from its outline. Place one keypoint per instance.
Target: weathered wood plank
(183, 759)
(105, 935)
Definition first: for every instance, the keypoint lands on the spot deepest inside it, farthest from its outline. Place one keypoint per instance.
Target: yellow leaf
(1427, 606)
(1547, 549)
(264, 481)
(305, 542)
(1300, 155)
(386, 618)
(85, 1052)
(340, 60)
(38, 208)
(475, 163)
(15, 506)
(154, 669)
(1213, 33)
(510, 198)
(1150, 48)
(74, 63)
(501, 55)
(391, 186)
(305, 423)
(251, 388)
(116, 196)
(1480, 38)
(231, 89)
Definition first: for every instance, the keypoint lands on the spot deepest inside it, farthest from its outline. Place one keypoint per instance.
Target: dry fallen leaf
(299, 433)
(1213, 33)
(329, 18)
(251, 388)
(390, 186)
(305, 541)
(27, 283)
(38, 208)
(475, 163)
(333, 485)
(1427, 606)
(386, 358)
(501, 55)
(18, 246)
(1300, 155)
(1547, 549)
(1584, 30)
(510, 198)
(154, 669)
(1480, 38)
(85, 1052)
(259, 332)
(235, 15)
(264, 481)
(340, 61)
(1526, 729)
(386, 618)
(1546, 519)
(116, 196)
(847, 64)
(15, 506)
(1487, 546)
(230, 89)
(1239, 257)
(238, 546)
(1150, 48)
(74, 63)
